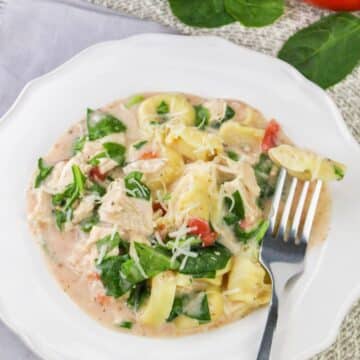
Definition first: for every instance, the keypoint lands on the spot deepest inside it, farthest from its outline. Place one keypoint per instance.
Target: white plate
(32, 303)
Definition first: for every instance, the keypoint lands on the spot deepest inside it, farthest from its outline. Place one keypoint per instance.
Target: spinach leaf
(208, 261)
(44, 172)
(153, 260)
(78, 144)
(134, 100)
(194, 306)
(140, 144)
(64, 201)
(95, 160)
(191, 241)
(115, 152)
(177, 308)
(229, 113)
(197, 307)
(264, 178)
(126, 325)
(255, 13)
(138, 294)
(97, 189)
(257, 233)
(202, 116)
(135, 187)
(339, 172)
(132, 272)
(236, 208)
(201, 13)
(100, 124)
(326, 51)
(78, 186)
(109, 270)
(60, 219)
(232, 155)
(87, 224)
(108, 243)
(162, 108)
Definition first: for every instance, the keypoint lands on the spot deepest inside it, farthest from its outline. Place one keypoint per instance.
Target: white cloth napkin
(38, 35)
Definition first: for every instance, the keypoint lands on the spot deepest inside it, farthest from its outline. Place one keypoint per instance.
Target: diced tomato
(93, 276)
(102, 299)
(202, 228)
(158, 207)
(95, 174)
(149, 155)
(271, 136)
(349, 5)
(209, 239)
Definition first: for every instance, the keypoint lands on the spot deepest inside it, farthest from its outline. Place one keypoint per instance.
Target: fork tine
(276, 199)
(287, 209)
(299, 211)
(311, 212)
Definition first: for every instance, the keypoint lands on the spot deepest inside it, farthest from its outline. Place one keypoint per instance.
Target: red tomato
(157, 206)
(96, 175)
(270, 137)
(202, 228)
(348, 5)
(149, 155)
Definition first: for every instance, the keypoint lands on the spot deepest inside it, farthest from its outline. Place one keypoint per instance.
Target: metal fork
(282, 252)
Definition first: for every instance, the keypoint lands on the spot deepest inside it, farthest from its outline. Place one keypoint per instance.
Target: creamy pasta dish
(151, 210)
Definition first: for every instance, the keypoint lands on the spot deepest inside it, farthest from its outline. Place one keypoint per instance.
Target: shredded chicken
(130, 214)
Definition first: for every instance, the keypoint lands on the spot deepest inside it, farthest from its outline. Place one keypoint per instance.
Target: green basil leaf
(138, 294)
(135, 187)
(109, 270)
(87, 224)
(326, 51)
(201, 13)
(78, 144)
(100, 124)
(202, 116)
(44, 172)
(209, 260)
(255, 13)
(140, 144)
(134, 100)
(115, 152)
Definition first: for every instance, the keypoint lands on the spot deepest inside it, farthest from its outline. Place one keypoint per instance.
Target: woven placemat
(269, 40)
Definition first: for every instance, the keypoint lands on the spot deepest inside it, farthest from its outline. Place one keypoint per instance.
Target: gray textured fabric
(269, 40)
(33, 41)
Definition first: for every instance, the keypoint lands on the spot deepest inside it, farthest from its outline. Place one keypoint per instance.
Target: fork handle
(267, 338)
